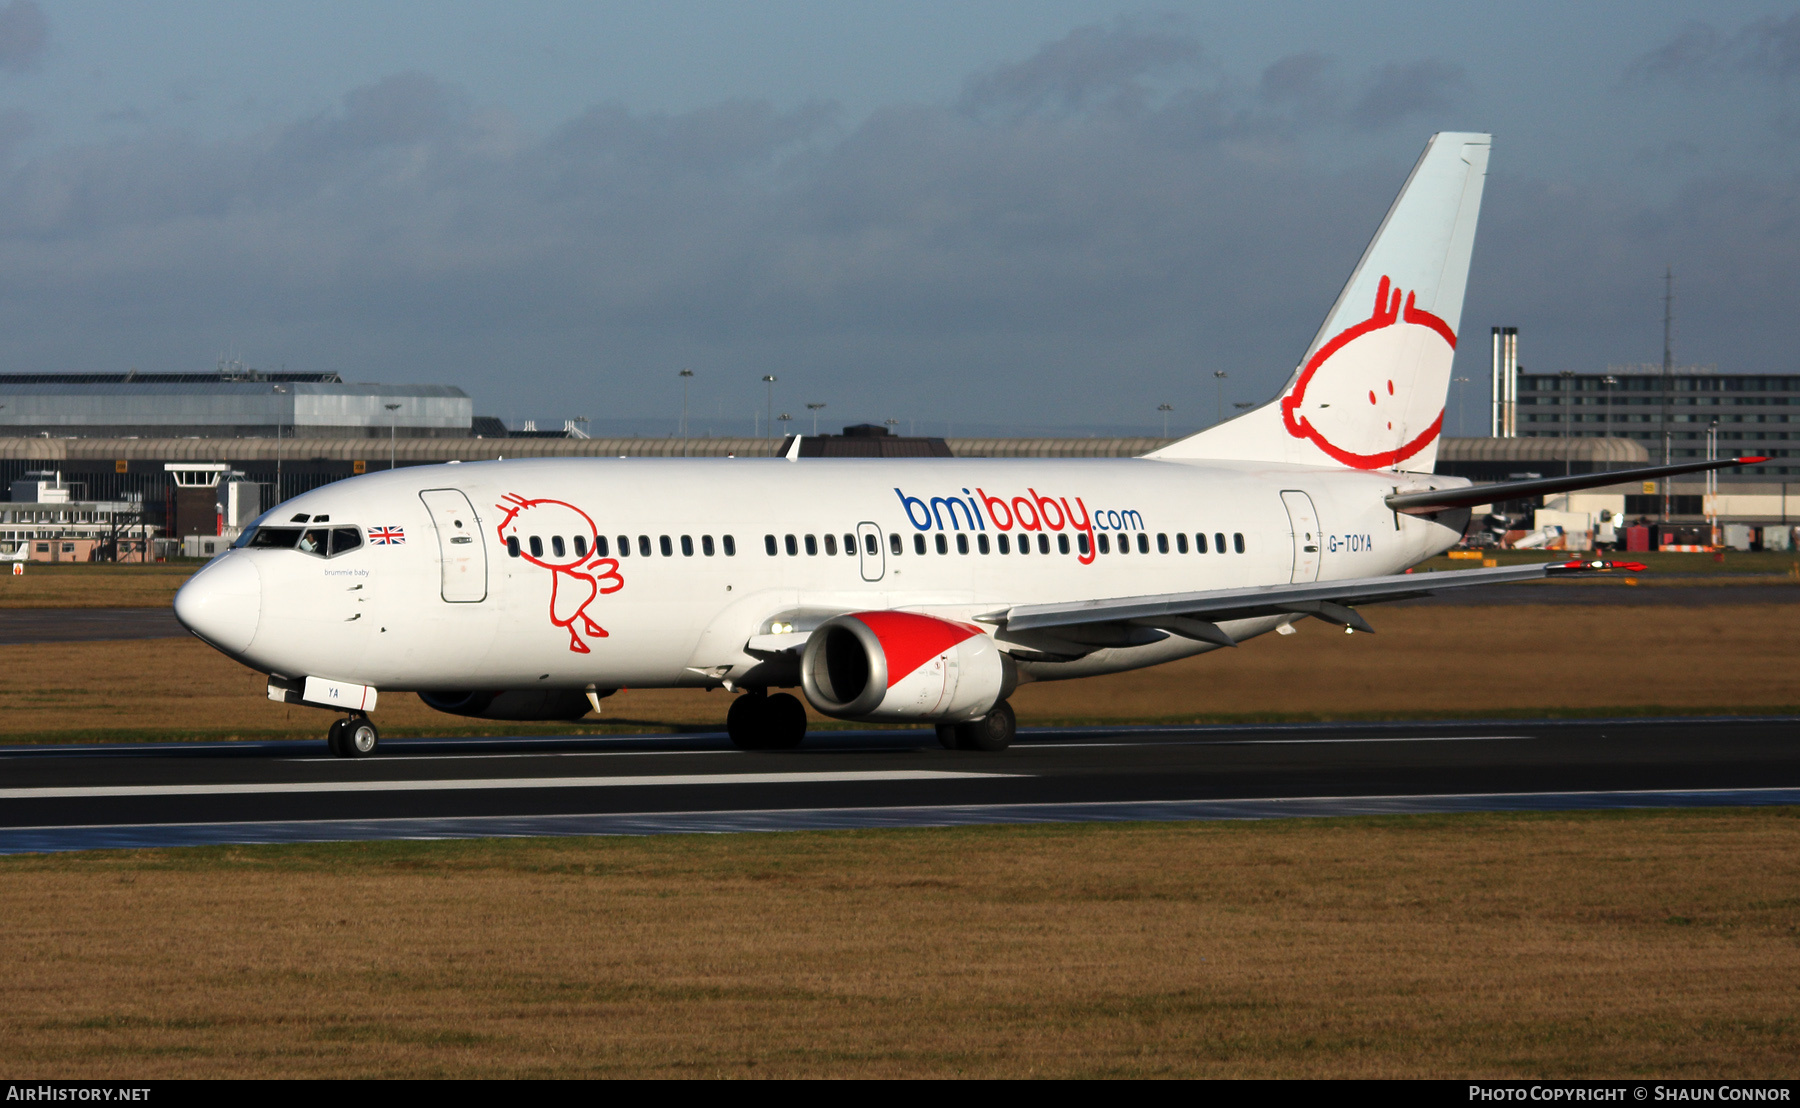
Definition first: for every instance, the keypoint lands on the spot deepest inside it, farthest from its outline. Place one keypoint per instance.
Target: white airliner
(898, 590)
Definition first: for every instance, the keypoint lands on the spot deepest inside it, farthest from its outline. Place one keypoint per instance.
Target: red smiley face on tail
(1373, 395)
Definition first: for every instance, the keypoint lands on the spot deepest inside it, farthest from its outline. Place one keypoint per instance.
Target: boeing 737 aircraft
(917, 590)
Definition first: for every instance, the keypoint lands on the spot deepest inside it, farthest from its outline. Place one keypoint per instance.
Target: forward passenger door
(460, 545)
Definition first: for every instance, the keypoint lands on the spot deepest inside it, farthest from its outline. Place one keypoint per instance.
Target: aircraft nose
(223, 602)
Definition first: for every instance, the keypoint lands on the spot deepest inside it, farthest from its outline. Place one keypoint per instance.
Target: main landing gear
(993, 731)
(758, 721)
(352, 737)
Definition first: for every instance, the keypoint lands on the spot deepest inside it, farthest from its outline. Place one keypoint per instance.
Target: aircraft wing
(1196, 615)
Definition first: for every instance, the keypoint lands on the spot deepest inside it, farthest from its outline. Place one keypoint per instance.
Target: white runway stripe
(448, 784)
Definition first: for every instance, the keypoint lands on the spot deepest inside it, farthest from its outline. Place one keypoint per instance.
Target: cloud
(1077, 238)
(1089, 66)
(1701, 54)
(1396, 91)
(24, 32)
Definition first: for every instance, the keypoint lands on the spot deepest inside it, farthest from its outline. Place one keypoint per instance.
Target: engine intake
(903, 666)
(513, 704)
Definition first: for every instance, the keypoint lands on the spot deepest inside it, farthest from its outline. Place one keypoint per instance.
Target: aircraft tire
(991, 732)
(360, 738)
(784, 722)
(334, 737)
(746, 721)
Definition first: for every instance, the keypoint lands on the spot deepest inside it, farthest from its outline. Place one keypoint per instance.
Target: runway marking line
(943, 809)
(1293, 742)
(496, 783)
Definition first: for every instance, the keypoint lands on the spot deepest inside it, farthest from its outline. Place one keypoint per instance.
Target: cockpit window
(321, 542)
(284, 537)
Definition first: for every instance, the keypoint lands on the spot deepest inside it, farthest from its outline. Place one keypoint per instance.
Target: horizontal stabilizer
(1425, 501)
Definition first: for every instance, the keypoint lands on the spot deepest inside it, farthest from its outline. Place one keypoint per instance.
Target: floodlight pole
(769, 415)
(391, 409)
(814, 409)
(1165, 409)
(1219, 376)
(686, 375)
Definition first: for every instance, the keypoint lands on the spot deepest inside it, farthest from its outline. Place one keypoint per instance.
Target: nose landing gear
(352, 737)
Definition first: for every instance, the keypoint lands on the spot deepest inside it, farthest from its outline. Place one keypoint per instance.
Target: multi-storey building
(1750, 414)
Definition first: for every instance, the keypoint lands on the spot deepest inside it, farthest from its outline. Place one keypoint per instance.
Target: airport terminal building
(232, 403)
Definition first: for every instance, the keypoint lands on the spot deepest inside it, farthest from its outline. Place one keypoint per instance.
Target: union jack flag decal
(387, 536)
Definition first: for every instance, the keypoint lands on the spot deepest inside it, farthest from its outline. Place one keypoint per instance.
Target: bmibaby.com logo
(976, 510)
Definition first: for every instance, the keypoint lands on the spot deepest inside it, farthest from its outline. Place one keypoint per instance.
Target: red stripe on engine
(910, 640)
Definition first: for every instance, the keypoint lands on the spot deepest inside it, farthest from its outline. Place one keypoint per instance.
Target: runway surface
(35, 625)
(74, 798)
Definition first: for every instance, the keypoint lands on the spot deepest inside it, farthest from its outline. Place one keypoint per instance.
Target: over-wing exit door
(868, 545)
(463, 552)
(1305, 522)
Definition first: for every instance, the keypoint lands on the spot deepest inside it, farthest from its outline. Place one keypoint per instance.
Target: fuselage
(582, 573)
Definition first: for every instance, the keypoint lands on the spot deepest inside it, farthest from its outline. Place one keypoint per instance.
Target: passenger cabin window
(893, 543)
(943, 543)
(730, 546)
(1162, 544)
(1124, 544)
(1004, 543)
(600, 545)
(962, 543)
(831, 545)
(1105, 544)
(556, 546)
(1181, 543)
(1200, 543)
(1143, 543)
(769, 544)
(667, 547)
(981, 543)
(644, 545)
(624, 545)
(687, 546)
(1062, 544)
(1081, 542)
(537, 547)
(850, 544)
(1237, 542)
(812, 546)
(580, 546)
(918, 544)
(793, 546)
(512, 545)
(1219, 541)
(706, 545)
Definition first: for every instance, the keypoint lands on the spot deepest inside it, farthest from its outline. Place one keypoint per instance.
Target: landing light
(780, 628)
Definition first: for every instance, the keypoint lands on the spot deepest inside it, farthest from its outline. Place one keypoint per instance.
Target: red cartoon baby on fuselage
(559, 537)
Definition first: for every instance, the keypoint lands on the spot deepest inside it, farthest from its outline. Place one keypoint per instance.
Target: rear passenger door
(460, 546)
(868, 546)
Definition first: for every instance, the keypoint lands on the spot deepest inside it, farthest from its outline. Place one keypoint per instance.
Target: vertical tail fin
(1370, 393)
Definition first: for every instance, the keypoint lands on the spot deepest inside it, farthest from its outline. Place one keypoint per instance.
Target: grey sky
(1016, 215)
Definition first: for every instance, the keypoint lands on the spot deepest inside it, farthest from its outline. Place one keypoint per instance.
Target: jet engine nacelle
(903, 666)
(512, 704)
